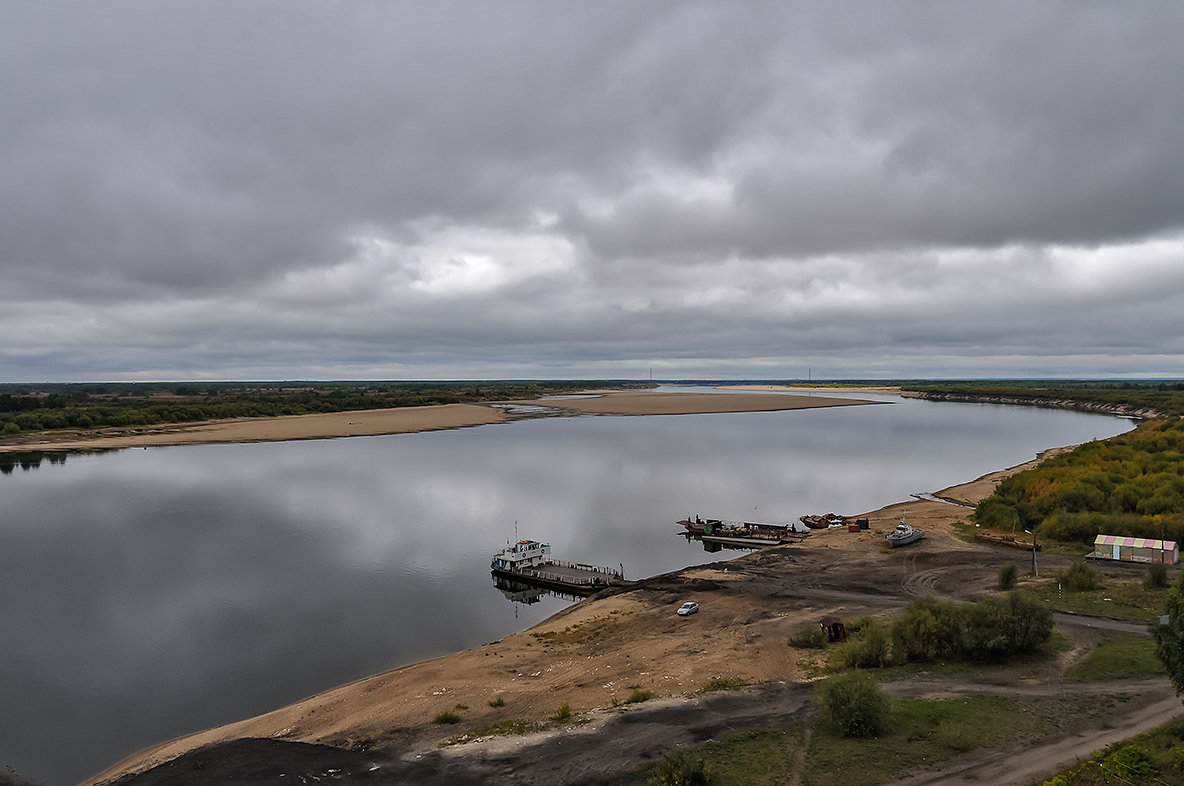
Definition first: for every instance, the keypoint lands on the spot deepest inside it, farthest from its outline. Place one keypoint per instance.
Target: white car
(690, 607)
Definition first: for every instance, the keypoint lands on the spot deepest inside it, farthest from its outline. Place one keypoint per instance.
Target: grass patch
(1017, 669)
(502, 728)
(1119, 599)
(753, 758)
(596, 630)
(446, 717)
(722, 683)
(517, 726)
(956, 735)
(497, 701)
(505, 727)
(922, 732)
(1122, 656)
(638, 696)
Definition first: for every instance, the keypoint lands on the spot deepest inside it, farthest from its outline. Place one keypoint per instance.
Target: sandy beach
(645, 403)
(410, 419)
(320, 426)
(814, 390)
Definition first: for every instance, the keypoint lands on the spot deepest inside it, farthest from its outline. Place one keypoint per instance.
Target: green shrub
(854, 704)
(1157, 576)
(497, 701)
(1079, 577)
(868, 649)
(681, 769)
(991, 629)
(639, 695)
(1007, 576)
(918, 632)
(1129, 762)
(809, 638)
(562, 713)
(446, 716)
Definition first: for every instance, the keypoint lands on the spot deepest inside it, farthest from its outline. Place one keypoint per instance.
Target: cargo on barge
(745, 534)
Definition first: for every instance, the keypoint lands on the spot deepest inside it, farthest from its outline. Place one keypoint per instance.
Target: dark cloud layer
(471, 189)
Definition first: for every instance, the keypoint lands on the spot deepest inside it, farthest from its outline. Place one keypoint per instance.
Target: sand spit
(371, 422)
(410, 419)
(815, 390)
(645, 403)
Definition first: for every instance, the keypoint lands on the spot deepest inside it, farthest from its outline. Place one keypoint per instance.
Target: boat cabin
(523, 554)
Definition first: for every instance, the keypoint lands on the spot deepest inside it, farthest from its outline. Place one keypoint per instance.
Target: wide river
(145, 594)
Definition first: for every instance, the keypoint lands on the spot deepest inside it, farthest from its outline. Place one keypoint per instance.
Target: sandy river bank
(409, 419)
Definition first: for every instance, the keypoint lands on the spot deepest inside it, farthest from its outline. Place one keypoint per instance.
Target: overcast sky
(386, 190)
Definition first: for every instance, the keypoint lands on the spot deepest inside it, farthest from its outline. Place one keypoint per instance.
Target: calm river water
(149, 593)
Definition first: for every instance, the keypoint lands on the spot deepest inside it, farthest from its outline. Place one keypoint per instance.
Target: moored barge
(530, 562)
(746, 534)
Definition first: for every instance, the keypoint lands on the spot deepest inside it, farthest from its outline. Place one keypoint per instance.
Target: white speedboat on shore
(903, 535)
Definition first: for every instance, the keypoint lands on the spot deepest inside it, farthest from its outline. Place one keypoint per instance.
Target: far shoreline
(407, 420)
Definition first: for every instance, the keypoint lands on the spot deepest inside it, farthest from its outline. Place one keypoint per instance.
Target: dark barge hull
(583, 590)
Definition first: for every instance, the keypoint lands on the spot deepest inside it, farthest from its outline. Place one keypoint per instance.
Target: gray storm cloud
(246, 190)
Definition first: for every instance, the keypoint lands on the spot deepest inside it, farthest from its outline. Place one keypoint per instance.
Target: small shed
(1123, 549)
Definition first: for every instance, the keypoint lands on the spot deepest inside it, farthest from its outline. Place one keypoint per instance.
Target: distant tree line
(25, 408)
(1162, 397)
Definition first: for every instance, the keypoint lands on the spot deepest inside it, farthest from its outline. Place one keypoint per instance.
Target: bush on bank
(992, 629)
(855, 705)
(1131, 485)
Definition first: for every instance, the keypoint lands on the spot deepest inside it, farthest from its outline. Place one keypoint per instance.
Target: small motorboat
(903, 535)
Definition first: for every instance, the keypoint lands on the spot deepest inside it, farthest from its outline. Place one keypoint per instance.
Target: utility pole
(1032, 532)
